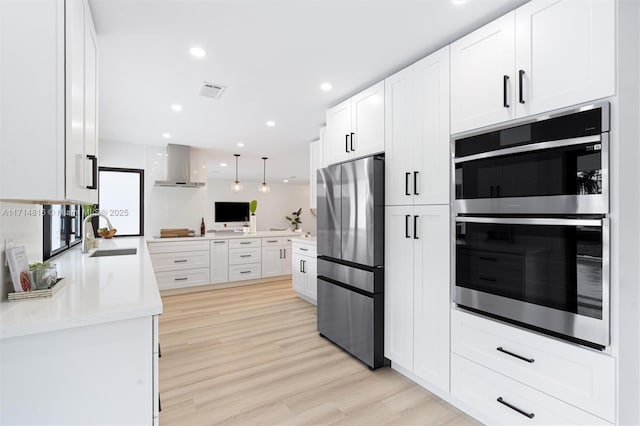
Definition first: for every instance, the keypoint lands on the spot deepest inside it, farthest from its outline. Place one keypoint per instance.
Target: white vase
(252, 224)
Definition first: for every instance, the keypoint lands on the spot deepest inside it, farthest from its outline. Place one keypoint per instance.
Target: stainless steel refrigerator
(351, 257)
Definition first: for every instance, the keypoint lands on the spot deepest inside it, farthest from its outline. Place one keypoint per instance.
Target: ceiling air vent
(211, 90)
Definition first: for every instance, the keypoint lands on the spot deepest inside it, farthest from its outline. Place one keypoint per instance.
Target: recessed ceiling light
(271, 123)
(166, 135)
(176, 107)
(285, 180)
(223, 164)
(326, 86)
(204, 167)
(240, 144)
(198, 52)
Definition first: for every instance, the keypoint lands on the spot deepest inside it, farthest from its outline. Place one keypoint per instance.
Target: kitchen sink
(114, 252)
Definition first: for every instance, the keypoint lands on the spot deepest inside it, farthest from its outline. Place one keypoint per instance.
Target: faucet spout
(89, 235)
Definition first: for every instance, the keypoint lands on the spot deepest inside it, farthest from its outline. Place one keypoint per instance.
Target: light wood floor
(252, 355)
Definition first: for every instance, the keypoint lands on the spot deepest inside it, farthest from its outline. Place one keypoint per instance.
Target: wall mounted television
(226, 211)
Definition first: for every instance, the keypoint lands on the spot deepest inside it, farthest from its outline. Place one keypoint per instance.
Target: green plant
(253, 205)
(38, 265)
(294, 220)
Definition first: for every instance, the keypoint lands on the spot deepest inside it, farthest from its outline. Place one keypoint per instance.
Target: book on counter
(19, 269)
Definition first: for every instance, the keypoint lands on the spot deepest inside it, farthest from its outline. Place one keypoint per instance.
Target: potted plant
(253, 205)
(294, 220)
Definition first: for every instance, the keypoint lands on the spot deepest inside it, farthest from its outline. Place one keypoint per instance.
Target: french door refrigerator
(351, 257)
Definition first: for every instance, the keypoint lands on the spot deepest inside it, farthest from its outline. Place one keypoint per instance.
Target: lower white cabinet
(182, 278)
(180, 264)
(305, 270)
(219, 261)
(276, 256)
(417, 292)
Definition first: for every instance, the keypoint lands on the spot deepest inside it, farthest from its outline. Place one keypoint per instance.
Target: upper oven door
(556, 177)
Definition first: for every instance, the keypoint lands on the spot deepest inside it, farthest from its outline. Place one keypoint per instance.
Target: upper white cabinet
(355, 128)
(417, 132)
(49, 101)
(545, 55)
(315, 163)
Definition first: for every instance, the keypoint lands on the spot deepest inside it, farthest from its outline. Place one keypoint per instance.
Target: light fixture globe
(236, 186)
(264, 186)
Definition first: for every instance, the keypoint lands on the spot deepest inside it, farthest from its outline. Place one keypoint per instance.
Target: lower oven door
(550, 274)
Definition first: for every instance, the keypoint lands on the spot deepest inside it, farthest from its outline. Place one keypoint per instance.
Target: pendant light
(236, 186)
(264, 187)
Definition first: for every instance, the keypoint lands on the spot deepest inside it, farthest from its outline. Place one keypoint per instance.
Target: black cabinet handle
(245, 272)
(415, 183)
(245, 255)
(406, 183)
(304, 264)
(415, 228)
(94, 172)
(406, 226)
(219, 242)
(504, 351)
(352, 134)
(159, 403)
(346, 143)
(246, 242)
(284, 253)
(272, 241)
(521, 88)
(280, 253)
(505, 85)
(180, 261)
(304, 249)
(514, 408)
(180, 279)
(301, 267)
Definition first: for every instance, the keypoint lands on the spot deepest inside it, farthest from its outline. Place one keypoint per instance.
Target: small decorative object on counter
(43, 275)
(294, 220)
(253, 225)
(107, 233)
(202, 228)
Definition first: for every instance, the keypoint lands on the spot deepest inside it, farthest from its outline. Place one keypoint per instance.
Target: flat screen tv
(231, 212)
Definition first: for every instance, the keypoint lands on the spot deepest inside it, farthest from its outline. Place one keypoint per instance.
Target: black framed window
(62, 228)
(121, 199)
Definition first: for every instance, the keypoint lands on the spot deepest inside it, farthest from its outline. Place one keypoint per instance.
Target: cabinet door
(272, 258)
(74, 50)
(285, 263)
(90, 109)
(431, 303)
(400, 137)
(299, 277)
(398, 286)
(479, 63)
(367, 121)
(338, 134)
(315, 153)
(219, 261)
(432, 144)
(566, 52)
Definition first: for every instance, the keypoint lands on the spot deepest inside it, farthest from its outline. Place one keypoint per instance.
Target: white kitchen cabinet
(545, 55)
(417, 298)
(276, 256)
(355, 127)
(52, 131)
(180, 264)
(566, 53)
(417, 132)
(219, 262)
(315, 163)
(305, 270)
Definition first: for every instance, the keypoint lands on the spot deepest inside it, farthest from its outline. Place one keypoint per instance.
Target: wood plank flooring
(252, 356)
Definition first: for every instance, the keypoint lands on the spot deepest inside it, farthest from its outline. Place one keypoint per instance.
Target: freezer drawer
(369, 280)
(352, 321)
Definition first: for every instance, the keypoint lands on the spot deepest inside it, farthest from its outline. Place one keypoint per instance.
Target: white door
(285, 263)
(219, 261)
(272, 261)
(432, 144)
(299, 278)
(400, 137)
(431, 303)
(565, 50)
(367, 121)
(480, 63)
(337, 143)
(398, 286)
(90, 110)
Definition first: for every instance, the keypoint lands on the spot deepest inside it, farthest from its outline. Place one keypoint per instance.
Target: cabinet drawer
(483, 389)
(276, 241)
(245, 243)
(576, 375)
(163, 262)
(244, 256)
(176, 246)
(245, 272)
(304, 249)
(187, 278)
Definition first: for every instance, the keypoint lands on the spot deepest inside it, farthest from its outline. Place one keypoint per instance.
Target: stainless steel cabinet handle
(180, 261)
(514, 408)
(504, 351)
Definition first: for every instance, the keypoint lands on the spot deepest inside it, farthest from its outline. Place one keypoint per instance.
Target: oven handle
(532, 221)
(532, 147)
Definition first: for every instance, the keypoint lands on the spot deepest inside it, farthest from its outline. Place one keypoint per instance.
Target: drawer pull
(504, 351)
(219, 242)
(180, 279)
(272, 241)
(246, 242)
(245, 255)
(304, 249)
(245, 272)
(180, 261)
(514, 408)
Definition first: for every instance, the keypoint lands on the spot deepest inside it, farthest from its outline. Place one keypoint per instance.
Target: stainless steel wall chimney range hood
(179, 168)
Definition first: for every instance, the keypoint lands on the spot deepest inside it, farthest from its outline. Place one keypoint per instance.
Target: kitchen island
(88, 355)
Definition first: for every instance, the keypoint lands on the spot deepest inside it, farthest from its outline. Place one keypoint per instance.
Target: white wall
(22, 224)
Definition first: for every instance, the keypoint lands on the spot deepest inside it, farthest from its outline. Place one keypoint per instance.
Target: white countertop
(303, 240)
(228, 236)
(97, 290)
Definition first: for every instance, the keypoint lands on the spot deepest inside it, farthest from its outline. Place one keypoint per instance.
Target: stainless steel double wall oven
(531, 204)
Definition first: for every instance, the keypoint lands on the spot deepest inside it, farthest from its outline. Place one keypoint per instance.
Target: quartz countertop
(227, 235)
(96, 290)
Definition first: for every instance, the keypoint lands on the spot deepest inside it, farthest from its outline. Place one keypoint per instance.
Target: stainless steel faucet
(85, 240)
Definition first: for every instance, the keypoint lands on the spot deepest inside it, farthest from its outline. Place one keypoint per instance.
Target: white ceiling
(272, 55)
